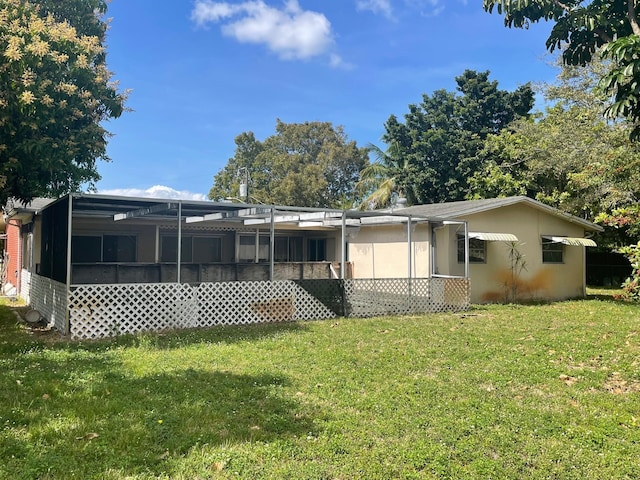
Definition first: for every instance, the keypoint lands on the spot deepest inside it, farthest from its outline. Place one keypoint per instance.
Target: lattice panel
(105, 310)
(50, 299)
(233, 303)
(25, 286)
(375, 297)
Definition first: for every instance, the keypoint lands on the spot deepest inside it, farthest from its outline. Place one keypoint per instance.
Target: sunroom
(105, 265)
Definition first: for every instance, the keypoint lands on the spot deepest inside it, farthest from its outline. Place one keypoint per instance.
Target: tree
(443, 134)
(582, 28)
(592, 173)
(311, 164)
(55, 92)
(390, 173)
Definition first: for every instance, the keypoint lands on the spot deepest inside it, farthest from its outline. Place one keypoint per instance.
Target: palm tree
(390, 173)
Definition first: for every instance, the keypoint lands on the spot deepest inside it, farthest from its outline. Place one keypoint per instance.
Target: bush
(631, 286)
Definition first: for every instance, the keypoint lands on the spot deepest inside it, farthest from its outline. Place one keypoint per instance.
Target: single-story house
(16, 245)
(96, 265)
(519, 248)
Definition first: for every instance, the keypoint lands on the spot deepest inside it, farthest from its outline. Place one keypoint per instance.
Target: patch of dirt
(618, 386)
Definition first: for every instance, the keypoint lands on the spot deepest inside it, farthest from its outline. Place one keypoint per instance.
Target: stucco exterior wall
(548, 281)
(382, 252)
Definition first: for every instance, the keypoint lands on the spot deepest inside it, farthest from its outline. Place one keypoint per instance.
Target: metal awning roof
(206, 212)
(571, 241)
(493, 237)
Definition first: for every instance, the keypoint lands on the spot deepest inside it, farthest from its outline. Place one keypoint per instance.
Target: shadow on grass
(82, 413)
(13, 335)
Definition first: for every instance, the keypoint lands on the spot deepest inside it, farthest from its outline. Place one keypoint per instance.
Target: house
(16, 253)
(96, 265)
(519, 248)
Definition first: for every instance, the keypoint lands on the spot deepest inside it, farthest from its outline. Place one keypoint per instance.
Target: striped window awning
(493, 237)
(571, 241)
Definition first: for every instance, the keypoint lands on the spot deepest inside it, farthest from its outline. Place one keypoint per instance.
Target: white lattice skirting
(105, 310)
(50, 299)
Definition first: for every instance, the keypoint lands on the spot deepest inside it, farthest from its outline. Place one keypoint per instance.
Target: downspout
(179, 260)
(466, 250)
(67, 321)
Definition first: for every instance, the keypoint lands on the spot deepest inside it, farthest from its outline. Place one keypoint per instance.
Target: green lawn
(549, 391)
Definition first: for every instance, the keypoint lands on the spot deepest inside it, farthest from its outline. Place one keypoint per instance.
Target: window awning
(571, 241)
(493, 237)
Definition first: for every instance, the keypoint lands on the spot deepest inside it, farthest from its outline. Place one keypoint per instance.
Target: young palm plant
(390, 173)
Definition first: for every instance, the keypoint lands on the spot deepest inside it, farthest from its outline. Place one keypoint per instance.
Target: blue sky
(202, 72)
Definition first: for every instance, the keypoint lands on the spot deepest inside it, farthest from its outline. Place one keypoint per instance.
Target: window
(477, 250)
(103, 248)
(247, 248)
(552, 252)
(119, 248)
(288, 249)
(317, 250)
(195, 249)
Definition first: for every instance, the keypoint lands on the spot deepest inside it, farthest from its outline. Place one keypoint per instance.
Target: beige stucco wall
(382, 252)
(540, 280)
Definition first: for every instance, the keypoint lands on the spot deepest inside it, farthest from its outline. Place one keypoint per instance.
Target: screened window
(317, 250)
(119, 248)
(103, 248)
(195, 249)
(477, 250)
(288, 249)
(247, 248)
(552, 252)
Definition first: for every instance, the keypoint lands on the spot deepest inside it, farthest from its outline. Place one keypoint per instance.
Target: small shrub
(631, 286)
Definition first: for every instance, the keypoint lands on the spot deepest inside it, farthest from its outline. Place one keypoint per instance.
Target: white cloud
(157, 191)
(427, 8)
(290, 32)
(376, 6)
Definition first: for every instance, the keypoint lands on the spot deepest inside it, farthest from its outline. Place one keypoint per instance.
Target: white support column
(157, 251)
(343, 256)
(409, 248)
(179, 262)
(272, 249)
(67, 321)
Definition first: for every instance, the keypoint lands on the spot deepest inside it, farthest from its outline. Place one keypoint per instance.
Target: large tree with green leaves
(569, 157)
(311, 164)
(55, 93)
(441, 136)
(583, 27)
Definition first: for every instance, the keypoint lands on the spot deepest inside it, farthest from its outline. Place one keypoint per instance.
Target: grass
(547, 391)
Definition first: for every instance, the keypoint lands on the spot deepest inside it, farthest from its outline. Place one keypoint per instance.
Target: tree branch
(631, 14)
(603, 35)
(566, 8)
